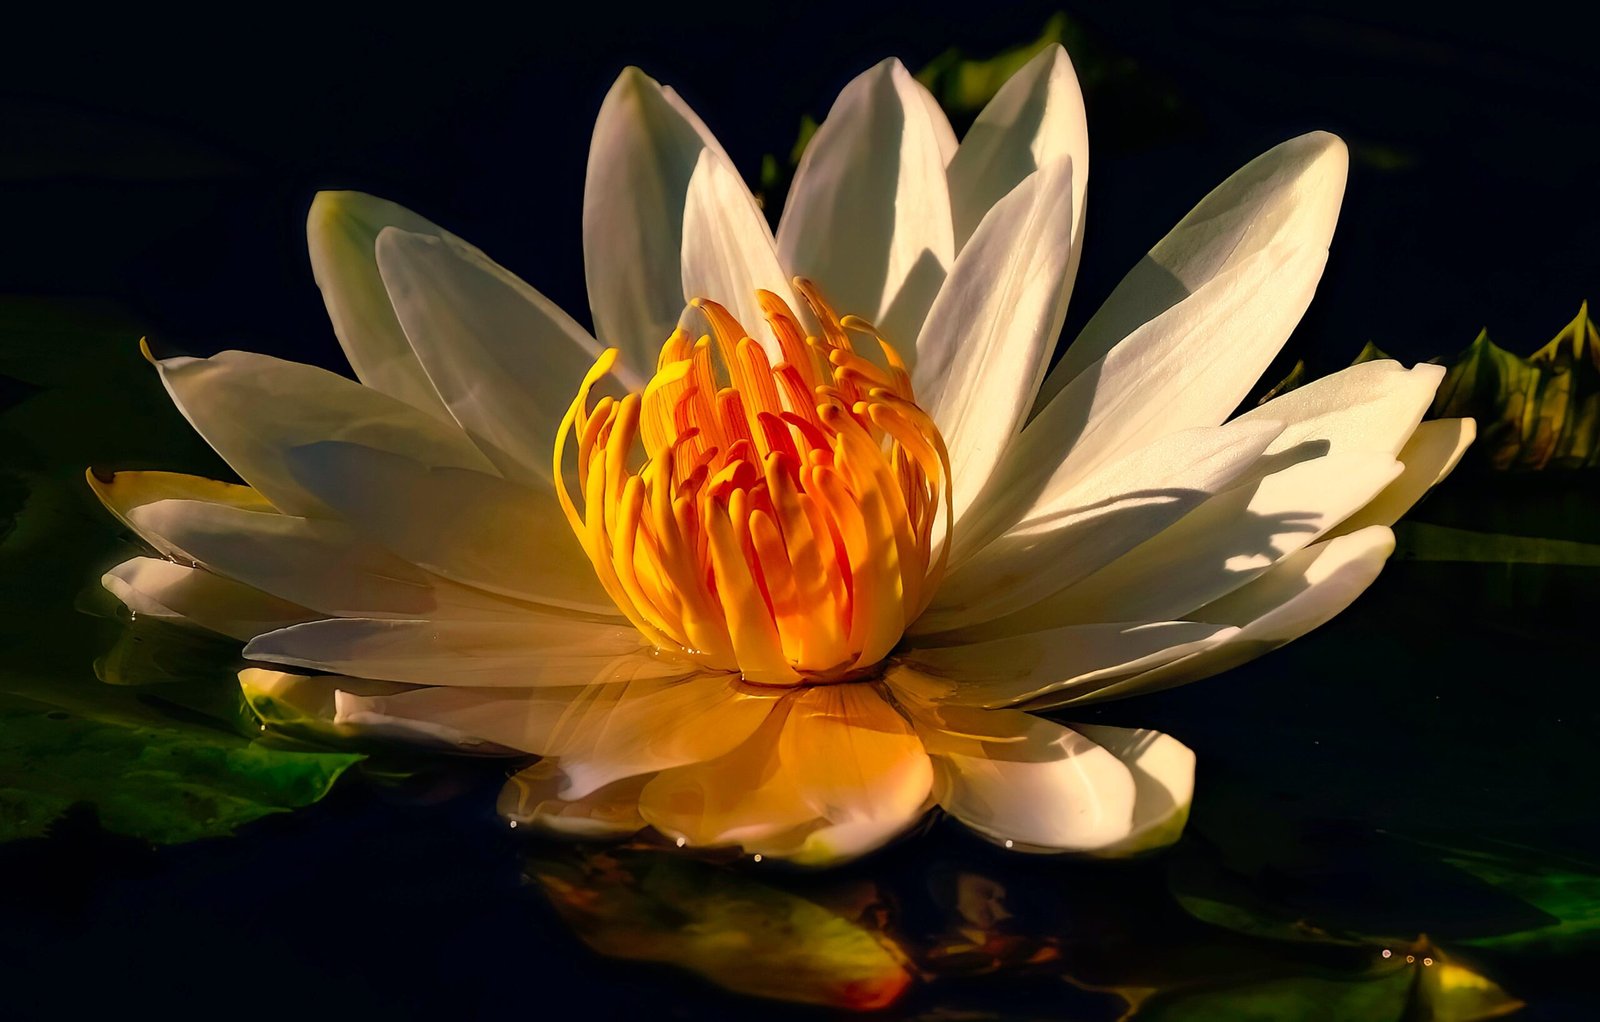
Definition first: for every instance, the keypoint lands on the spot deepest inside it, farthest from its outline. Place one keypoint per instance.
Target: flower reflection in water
(937, 929)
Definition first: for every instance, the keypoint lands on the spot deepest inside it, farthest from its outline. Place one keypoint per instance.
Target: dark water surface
(1416, 778)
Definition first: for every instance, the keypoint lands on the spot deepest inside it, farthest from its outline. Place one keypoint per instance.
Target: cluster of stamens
(780, 521)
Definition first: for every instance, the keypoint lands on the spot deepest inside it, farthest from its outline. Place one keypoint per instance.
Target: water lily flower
(784, 553)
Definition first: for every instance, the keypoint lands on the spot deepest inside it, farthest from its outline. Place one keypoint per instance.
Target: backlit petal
(1289, 195)
(1301, 592)
(1018, 668)
(467, 526)
(185, 595)
(868, 214)
(341, 231)
(600, 732)
(315, 563)
(740, 798)
(501, 355)
(254, 409)
(1226, 542)
(853, 757)
(1188, 367)
(1067, 535)
(728, 251)
(990, 332)
(1035, 119)
(530, 650)
(645, 146)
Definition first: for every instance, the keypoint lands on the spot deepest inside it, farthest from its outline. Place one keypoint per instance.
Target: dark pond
(1395, 816)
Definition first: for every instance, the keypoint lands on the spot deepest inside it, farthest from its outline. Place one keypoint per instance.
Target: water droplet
(1427, 961)
(1411, 958)
(682, 841)
(757, 857)
(1387, 953)
(513, 824)
(1009, 842)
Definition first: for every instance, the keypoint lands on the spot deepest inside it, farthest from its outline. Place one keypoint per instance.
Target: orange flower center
(780, 521)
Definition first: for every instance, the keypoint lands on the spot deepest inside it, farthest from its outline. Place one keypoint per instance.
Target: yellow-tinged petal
(739, 798)
(854, 758)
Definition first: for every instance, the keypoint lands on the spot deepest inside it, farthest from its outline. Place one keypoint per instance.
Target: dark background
(167, 164)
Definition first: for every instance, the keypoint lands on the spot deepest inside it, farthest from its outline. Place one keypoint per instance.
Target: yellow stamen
(781, 521)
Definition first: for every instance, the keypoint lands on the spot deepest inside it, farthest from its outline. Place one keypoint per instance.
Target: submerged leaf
(743, 935)
(1419, 984)
(1568, 892)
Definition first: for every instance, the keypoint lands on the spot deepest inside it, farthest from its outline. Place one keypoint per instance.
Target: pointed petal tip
(333, 207)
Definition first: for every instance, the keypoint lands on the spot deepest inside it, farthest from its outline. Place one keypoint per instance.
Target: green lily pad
(142, 722)
(163, 784)
(1397, 990)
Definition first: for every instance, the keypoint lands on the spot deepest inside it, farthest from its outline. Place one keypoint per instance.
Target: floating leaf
(143, 722)
(741, 934)
(1418, 985)
(1566, 890)
(163, 784)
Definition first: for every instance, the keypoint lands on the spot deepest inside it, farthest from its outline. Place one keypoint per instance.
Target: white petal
(1301, 592)
(1226, 542)
(341, 231)
(1018, 668)
(1034, 120)
(502, 356)
(1025, 782)
(1429, 456)
(315, 563)
(868, 214)
(470, 527)
(121, 492)
(1163, 779)
(990, 332)
(1373, 406)
(184, 595)
(1188, 367)
(253, 409)
(307, 706)
(1063, 537)
(532, 798)
(1288, 195)
(728, 251)
(600, 733)
(530, 651)
(645, 146)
